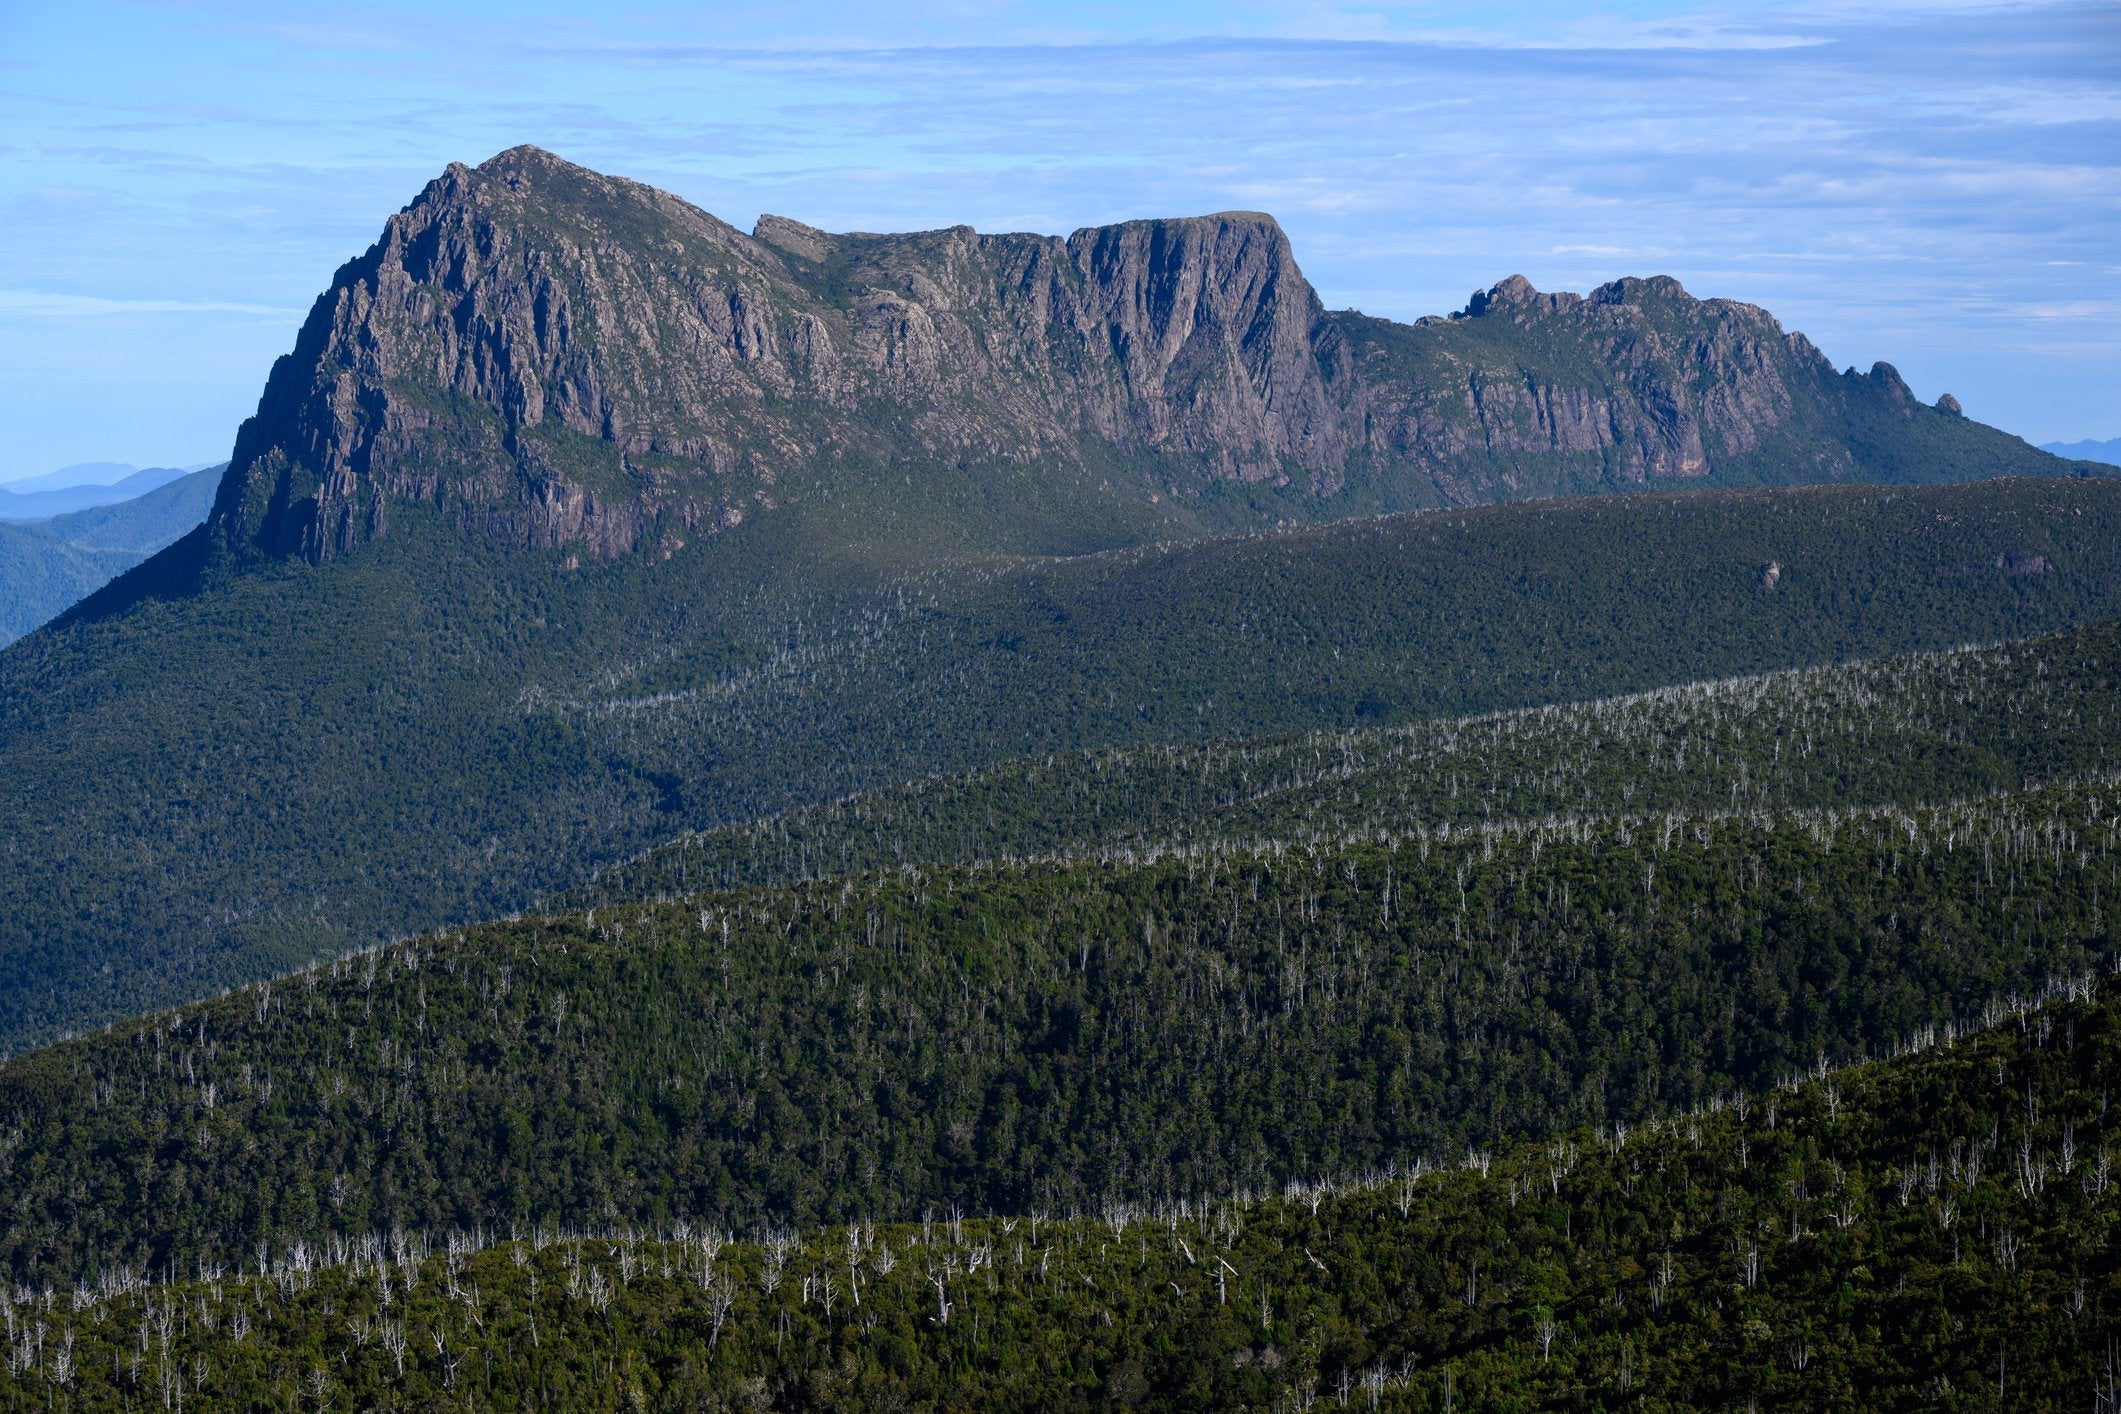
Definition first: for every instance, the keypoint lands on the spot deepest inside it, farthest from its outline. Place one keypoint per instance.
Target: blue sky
(1934, 184)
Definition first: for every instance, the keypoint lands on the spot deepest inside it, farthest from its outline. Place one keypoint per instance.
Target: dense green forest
(41, 574)
(207, 788)
(1322, 1015)
(1042, 1036)
(1926, 727)
(1935, 1231)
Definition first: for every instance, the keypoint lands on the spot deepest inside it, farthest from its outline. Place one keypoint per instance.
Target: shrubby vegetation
(1933, 1231)
(1927, 727)
(1018, 1037)
(204, 788)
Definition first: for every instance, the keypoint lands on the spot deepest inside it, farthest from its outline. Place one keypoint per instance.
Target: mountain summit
(561, 358)
(567, 358)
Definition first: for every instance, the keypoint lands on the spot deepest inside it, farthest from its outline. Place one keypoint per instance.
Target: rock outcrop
(557, 358)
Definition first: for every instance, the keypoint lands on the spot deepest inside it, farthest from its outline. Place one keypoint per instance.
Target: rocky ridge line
(564, 359)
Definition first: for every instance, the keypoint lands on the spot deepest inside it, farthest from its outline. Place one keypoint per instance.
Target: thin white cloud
(2075, 309)
(46, 304)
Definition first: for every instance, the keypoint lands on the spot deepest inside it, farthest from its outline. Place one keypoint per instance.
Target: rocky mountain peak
(1516, 295)
(792, 237)
(560, 357)
(1636, 290)
(555, 358)
(1893, 389)
(526, 162)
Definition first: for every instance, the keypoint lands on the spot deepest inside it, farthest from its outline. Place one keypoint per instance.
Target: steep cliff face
(1637, 379)
(1636, 384)
(563, 358)
(557, 358)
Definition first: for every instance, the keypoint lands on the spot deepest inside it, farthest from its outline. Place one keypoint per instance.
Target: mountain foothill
(806, 819)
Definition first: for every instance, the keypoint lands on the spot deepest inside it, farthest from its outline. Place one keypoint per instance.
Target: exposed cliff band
(559, 358)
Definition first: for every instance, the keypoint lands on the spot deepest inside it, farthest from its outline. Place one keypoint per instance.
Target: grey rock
(564, 359)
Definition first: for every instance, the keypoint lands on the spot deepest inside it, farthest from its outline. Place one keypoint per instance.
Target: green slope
(1932, 1232)
(1926, 727)
(1026, 1037)
(40, 575)
(273, 765)
(145, 523)
(1381, 621)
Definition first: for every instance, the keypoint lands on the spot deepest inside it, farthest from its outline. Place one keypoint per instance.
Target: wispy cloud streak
(48, 305)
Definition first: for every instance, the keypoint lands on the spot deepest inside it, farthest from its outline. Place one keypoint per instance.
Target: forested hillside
(1930, 1232)
(212, 787)
(1022, 1037)
(40, 575)
(1925, 727)
(1313, 961)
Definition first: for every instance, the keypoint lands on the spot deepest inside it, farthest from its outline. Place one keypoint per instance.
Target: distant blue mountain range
(53, 494)
(79, 474)
(50, 563)
(2087, 451)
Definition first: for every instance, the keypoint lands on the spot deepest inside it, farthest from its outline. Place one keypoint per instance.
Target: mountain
(48, 565)
(37, 505)
(559, 358)
(577, 519)
(146, 523)
(1927, 1231)
(2108, 451)
(79, 474)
